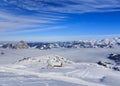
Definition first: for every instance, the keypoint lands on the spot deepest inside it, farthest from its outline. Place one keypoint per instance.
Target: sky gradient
(55, 20)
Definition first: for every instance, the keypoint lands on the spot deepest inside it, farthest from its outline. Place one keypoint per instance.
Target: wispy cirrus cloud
(13, 22)
(34, 30)
(20, 14)
(66, 6)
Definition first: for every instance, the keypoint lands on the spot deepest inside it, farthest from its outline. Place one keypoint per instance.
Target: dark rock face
(108, 65)
(9, 45)
(102, 63)
(114, 57)
(116, 68)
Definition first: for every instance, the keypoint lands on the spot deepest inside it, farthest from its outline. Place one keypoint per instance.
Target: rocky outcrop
(114, 57)
(109, 65)
(22, 45)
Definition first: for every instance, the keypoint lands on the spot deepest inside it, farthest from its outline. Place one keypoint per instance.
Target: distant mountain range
(105, 43)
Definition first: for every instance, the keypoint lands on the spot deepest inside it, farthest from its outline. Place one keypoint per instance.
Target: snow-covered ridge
(105, 43)
(19, 45)
(48, 60)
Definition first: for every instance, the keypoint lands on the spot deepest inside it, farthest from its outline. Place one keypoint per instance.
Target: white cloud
(68, 6)
(11, 22)
(34, 30)
(48, 11)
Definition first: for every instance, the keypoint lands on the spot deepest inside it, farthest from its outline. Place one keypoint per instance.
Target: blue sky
(55, 20)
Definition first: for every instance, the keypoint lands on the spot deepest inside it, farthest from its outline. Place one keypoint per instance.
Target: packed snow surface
(29, 67)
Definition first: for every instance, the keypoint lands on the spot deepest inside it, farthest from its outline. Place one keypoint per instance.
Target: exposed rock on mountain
(22, 45)
(109, 65)
(115, 65)
(114, 57)
(9, 45)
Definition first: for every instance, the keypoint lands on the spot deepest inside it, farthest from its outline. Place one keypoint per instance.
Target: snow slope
(51, 76)
(78, 74)
(80, 68)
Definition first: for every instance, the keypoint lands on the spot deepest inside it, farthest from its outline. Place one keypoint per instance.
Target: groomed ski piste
(52, 76)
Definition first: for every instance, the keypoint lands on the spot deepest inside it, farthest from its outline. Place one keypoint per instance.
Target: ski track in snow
(50, 76)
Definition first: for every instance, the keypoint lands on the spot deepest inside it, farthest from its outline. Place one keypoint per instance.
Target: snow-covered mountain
(105, 43)
(19, 45)
(22, 45)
